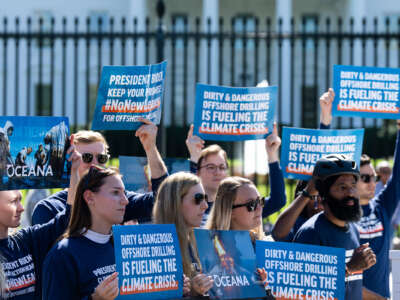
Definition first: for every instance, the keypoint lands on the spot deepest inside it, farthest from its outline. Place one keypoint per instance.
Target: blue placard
(148, 261)
(33, 153)
(136, 172)
(234, 113)
(127, 93)
(228, 257)
(297, 271)
(366, 92)
(301, 148)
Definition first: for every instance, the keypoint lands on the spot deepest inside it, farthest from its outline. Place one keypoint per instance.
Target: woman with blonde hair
(238, 206)
(181, 200)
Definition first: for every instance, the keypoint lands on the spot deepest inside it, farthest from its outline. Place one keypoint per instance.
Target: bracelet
(305, 194)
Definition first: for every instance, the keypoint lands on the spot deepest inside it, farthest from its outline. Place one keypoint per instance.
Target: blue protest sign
(33, 152)
(127, 93)
(366, 92)
(148, 261)
(234, 113)
(301, 148)
(136, 172)
(228, 257)
(297, 271)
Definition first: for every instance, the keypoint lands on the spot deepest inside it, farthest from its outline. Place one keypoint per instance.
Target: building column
(210, 11)
(138, 10)
(283, 10)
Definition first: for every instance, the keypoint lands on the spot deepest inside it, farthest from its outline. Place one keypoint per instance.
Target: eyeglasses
(198, 198)
(101, 158)
(252, 204)
(212, 168)
(366, 178)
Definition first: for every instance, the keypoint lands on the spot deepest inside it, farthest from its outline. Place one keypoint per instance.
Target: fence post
(160, 40)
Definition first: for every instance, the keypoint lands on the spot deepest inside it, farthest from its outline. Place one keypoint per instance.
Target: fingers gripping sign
(107, 289)
(363, 258)
(147, 133)
(325, 103)
(272, 144)
(194, 145)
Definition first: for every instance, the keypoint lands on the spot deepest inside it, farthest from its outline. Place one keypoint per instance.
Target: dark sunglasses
(198, 198)
(252, 204)
(366, 178)
(101, 158)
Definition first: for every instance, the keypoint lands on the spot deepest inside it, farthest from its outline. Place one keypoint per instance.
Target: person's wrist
(305, 194)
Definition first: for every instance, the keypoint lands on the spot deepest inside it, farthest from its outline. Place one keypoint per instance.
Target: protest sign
(127, 93)
(136, 172)
(33, 152)
(297, 271)
(301, 148)
(228, 257)
(366, 92)
(148, 261)
(233, 113)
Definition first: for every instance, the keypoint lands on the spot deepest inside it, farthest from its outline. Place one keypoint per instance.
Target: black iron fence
(52, 67)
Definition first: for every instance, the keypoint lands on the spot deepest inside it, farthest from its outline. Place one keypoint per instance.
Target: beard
(342, 211)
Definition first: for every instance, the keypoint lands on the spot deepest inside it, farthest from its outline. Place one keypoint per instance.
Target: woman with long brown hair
(82, 264)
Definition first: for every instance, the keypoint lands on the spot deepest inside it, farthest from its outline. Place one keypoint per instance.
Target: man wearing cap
(375, 224)
(336, 178)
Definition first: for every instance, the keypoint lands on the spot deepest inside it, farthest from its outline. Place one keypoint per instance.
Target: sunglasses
(101, 158)
(198, 198)
(252, 204)
(367, 178)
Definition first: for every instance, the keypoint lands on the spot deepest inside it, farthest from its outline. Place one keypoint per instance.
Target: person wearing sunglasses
(375, 225)
(181, 200)
(211, 165)
(94, 150)
(238, 206)
(82, 264)
(23, 252)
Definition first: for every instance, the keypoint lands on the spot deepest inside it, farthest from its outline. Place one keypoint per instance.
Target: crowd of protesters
(338, 207)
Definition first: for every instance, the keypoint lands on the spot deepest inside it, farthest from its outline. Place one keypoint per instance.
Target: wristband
(305, 194)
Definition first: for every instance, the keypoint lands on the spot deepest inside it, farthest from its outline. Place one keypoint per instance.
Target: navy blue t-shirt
(375, 229)
(24, 253)
(140, 206)
(318, 230)
(75, 266)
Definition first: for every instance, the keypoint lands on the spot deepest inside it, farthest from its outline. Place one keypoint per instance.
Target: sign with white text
(128, 93)
(366, 92)
(234, 113)
(301, 148)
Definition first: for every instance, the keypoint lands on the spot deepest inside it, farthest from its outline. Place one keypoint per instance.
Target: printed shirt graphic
(75, 267)
(370, 227)
(20, 275)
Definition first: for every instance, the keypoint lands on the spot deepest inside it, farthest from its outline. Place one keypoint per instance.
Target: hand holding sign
(186, 286)
(147, 133)
(272, 144)
(75, 158)
(363, 258)
(325, 103)
(107, 289)
(201, 283)
(194, 145)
